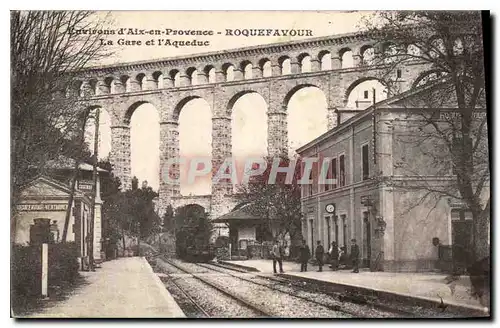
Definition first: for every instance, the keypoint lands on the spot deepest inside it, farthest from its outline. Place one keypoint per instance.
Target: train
(200, 253)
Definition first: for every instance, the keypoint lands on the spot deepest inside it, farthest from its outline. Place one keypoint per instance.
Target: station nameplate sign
(85, 185)
(41, 207)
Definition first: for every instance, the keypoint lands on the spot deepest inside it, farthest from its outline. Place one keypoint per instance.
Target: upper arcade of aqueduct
(293, 64)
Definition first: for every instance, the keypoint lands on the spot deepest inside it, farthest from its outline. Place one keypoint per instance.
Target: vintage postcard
(250, 164)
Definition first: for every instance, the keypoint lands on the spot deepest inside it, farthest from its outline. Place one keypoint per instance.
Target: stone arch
(175, 76)
(228, 70)
(158, 78)
(367, 53)
(181, 104)
(93, 87)
(296, 88)
(304, 60)
(307, 115)
(431, 75)
(413, 50)
(246, 110)
(436, 46)
(192, 73)
(140, 80)
(325, 58)
(285, 65)
(358, 82)
(390, 52)
(131, 109)
(125, 80)
(458, 46)
(246, 67)
(235, 97)
(191, 208)
(346, 58)
(265, 66)
(74, 89)
(209, 71)
(109, 82)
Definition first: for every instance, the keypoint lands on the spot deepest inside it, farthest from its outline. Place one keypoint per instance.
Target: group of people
(336, 256)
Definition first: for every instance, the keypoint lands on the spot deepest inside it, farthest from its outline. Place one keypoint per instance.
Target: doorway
(233, 238)
(367, 239)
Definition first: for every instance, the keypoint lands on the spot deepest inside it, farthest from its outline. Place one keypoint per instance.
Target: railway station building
(382, 166)
(43, 203)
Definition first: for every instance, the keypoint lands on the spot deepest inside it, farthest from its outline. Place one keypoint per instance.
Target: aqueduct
(333, 64)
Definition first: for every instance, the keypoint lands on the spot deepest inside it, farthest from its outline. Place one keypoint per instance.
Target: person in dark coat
(334, 256)
(304, 255)
(354, 256)
(320, 253)
(277, 255)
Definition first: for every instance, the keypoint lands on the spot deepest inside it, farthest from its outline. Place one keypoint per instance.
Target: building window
(342, 170)
(310, 185)
(365, 94)
(399, 73)
(344, 228)
(329, 175)
(365, 162)
(334, 172)
(461, 225)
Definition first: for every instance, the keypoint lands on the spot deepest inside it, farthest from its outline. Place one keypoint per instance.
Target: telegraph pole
(374, 129)
(94, 190)
(74, 179)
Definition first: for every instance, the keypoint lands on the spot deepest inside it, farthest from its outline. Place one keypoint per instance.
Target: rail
(224, 291)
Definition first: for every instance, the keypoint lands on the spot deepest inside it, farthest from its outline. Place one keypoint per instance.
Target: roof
(44, 187)
(66, 163)
(389, 103)
(240, 213)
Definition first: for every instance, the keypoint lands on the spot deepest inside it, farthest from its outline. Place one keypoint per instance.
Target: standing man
(354, 256)
(334, 256)
(304, 256)
(277, 254)
(320, 253)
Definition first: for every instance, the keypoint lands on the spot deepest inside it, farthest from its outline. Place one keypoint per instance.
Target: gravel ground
(189, 309)
(280, 304)
(216, 304)
(275, 302)
(356, 309)
(257, 290)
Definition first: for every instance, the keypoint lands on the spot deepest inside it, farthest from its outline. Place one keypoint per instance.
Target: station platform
(121, 288)
(428, 287)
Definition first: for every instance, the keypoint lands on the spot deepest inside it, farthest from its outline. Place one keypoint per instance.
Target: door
(461, 235)
(368, 241)
(233, 237)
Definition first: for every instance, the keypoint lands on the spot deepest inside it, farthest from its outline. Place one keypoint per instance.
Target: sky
(306, 111)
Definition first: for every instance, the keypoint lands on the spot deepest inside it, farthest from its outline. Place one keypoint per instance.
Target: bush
(26, 268)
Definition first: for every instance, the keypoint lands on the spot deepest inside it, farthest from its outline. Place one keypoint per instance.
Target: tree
(278, 204)
(450, 45)
(169, 220)
(45, 119)
(193, 229)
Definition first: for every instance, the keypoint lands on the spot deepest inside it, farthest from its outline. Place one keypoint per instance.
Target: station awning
(238, 215)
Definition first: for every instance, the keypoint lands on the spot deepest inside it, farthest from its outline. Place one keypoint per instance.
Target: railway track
(190, 307)
(258, 310)
(287, 282)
